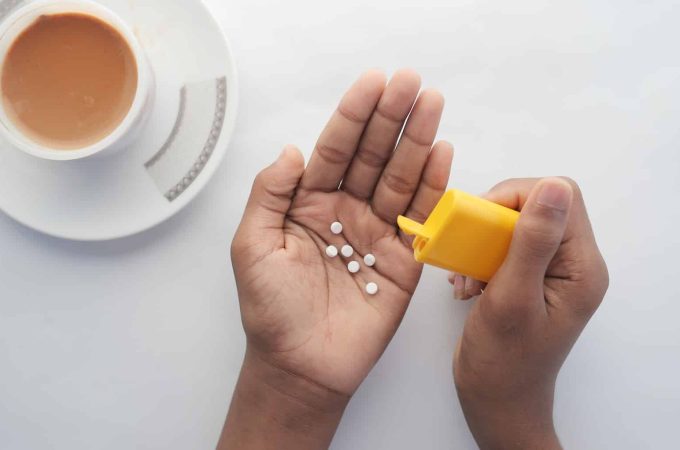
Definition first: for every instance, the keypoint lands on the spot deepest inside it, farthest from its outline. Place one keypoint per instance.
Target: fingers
(538, 234)
(458, 282)
(514, 193)
(433, 183)
(473, 287)
(401, 177)
(261, 228)
(579, 258)
(382, 133)
(338, 142)
(464, 288)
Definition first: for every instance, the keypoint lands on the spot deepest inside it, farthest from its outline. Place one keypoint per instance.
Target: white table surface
(136, 344)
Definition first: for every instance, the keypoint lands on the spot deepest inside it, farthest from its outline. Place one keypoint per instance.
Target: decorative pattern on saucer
(192, 141)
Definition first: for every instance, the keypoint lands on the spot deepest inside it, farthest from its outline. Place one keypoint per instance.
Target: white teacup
(125, 132)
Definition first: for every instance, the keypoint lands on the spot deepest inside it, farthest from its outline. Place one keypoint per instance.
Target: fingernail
(555, 195)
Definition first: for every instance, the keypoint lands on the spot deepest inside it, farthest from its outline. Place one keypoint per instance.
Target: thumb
(538, 234)
(261, 229)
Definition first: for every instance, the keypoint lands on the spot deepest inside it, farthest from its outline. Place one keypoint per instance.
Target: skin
(313, 333)
(529, 316)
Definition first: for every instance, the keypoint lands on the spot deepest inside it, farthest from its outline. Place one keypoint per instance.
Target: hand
(529, 316)
(312, 329)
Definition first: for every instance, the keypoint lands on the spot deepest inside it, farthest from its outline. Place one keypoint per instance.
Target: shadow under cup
(71, 80)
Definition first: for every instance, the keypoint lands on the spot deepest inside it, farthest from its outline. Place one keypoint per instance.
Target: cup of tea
(74, 80)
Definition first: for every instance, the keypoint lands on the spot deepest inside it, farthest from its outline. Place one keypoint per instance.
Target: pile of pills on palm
(347, 251)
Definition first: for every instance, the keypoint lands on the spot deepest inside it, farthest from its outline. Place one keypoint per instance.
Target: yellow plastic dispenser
(464, 234)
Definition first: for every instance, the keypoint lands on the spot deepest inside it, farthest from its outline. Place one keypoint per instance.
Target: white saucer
(186, 136)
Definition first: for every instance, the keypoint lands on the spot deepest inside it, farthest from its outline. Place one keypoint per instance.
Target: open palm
(303, 311)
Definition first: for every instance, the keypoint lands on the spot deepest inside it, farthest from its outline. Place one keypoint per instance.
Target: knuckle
(590, 281)
(270, 183)
(371, 157)
(417, 214)
(399, 183)
(388, 116)
(604, 280)
(261, 178)
(350, 115)
(417, 138)
(536, 238)
(434, 179)
(597, 282)
(332, 154)
(262, 173)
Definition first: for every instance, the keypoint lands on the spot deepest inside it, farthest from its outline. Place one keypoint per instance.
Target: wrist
(525, 422)
(272, 408)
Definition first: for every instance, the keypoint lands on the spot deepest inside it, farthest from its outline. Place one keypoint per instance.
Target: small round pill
(353, 267)
(336, 228)
(369, 260)
(332, 251)
(371, 288)
(347, 251)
